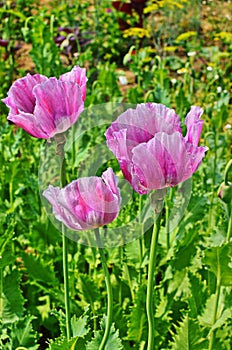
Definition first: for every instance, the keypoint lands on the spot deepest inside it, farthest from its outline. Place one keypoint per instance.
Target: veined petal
(111, 181)
(98, 195)
(65, 205)
(196, 155)
(20, 96)
(77, 75)
(163, 161)
(28, 123)
(145, 121)
(58, 105)
(122, 149)
(194, 125)
(86, 203)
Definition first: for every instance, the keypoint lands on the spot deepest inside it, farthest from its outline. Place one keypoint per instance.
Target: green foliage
(79, 325)
(137, 328)
(23, 334)
(185, 61)
(12, 300)
(189, 336)
(44, 51)
(38, 271)
(219, 261)
(113, 342)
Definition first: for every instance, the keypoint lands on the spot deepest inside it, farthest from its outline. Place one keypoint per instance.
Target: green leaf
(39, 270)
(219, 260)
(12, 299)
(113, 342)
(88, 290)
(198, 296)
(22, 334)
(223, 314)
(62, 343)
(79, 325)
(137, 329)
(189, 336)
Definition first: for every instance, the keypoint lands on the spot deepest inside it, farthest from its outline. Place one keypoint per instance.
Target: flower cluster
(147, 141)
(150, 147)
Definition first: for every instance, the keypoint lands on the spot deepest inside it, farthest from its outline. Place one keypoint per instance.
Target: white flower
(191, 53)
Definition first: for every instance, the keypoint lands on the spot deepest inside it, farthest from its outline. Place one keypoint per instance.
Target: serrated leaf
(12, 299)
(22, 334)
(219, 261)
(39, 270)
(137, 327)
(223, 314)
(6, 258)
(62, 343)
(79, 325)
(113, 342)
(193, 214)
(189, 336)
(198, 296)
(88, 289)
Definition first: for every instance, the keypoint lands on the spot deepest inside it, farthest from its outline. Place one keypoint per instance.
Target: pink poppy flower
(150, 147)
(43, 106)
(86, 203)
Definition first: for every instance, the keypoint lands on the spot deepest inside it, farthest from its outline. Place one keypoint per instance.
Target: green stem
(60, 142)
(66, 283)
(65, 265)
(167, 215)
(109, 291)
(218, 290)
(150, 284)
(229, 230)
(228, 166)
(1, 293)
(141, 241)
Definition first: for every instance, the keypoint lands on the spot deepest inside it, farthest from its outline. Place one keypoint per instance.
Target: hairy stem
(109, 291)
(218, 290)
(60, 142)
(150, 284)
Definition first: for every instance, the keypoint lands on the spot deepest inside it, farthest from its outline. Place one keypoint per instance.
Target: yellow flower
(182, 71)
(171, 4)
(227, 36)
(134, 31)
(186, 35)
(170, 48)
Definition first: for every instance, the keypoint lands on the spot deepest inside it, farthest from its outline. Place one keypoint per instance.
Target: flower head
(86, 203)
(45, 106)
(150, 147)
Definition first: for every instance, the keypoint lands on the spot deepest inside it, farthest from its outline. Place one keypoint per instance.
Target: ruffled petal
(122, 149)
(194, 125)
(162, 162)
(58, 105)
(145, 121)
(77, 75)
(86, 203)
(196, 155)
(20, 96)
(66, 207)
(111, 181)
(28, 123)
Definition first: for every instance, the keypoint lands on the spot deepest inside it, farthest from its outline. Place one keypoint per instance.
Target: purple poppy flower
(45, 106)
(150, 147)
(86, 203)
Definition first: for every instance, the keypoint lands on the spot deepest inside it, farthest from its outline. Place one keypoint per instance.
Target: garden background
(177, 53)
